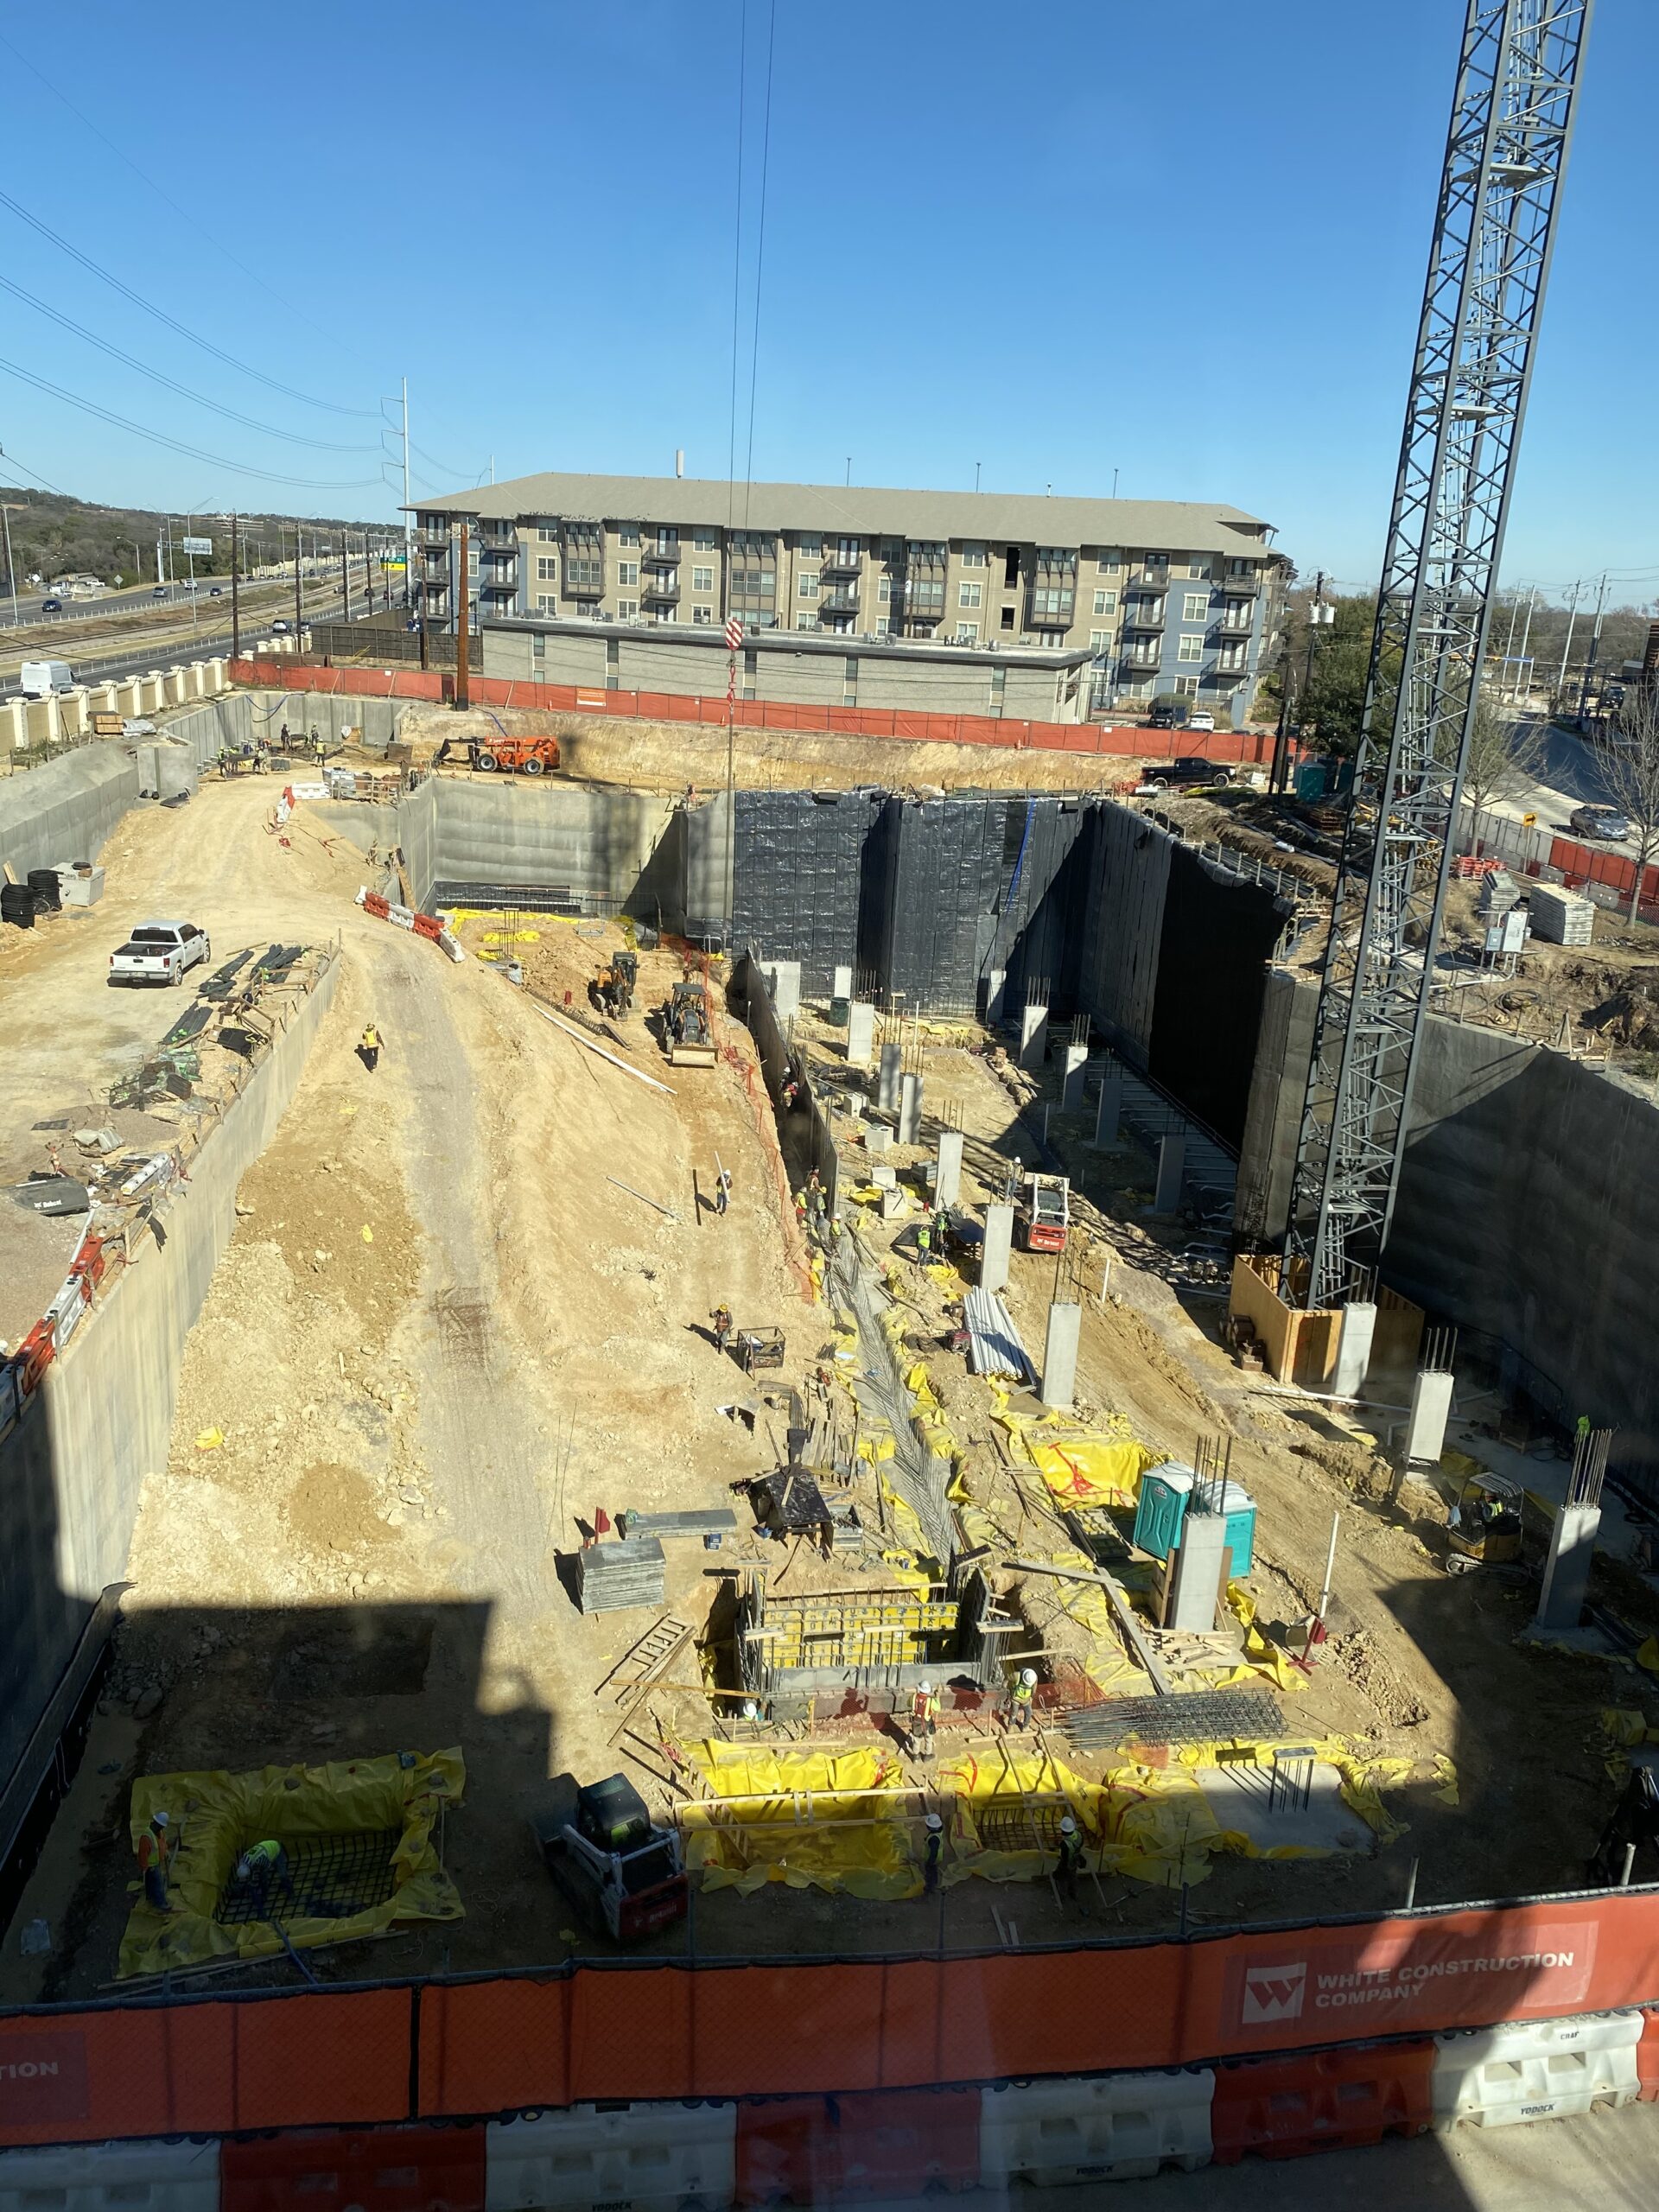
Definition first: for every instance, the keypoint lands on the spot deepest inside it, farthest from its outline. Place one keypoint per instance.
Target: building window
(1108, 563)
(973, 556)
(702, 614)
(702, 579)
(667, 543)
(883, 627)
(1191, 646)
(969, 595)
(967, 633)
(626, 609)
(1105, 602)
(1008, 618)
(1100, 641)
(807, 586)
(546, 534)
(547, 568)
(1198, 566)
(704, 541)
(884, 591)
(627, 572)
(538, 648)
(1050, 604)
(627, 533)
(806, 621)
(809, 546)
(1241, 568)
(1195, 606)
(1184, 687)
(545, 603)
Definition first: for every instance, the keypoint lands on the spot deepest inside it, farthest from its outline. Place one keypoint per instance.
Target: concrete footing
(860, 1034)
(1109, 1113)
(910, 1108)
(947, 1175)
(995, 1251)
(887, 1081)
(1353, 1347)
(1171, 1169)
(1567, 1571)
(1060, 1355)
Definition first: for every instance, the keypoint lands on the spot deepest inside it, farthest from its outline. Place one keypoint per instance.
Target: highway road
(133, 599)
(1568, 774)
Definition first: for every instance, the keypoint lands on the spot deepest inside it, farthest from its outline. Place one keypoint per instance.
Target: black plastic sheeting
(1217, 937)
(798, 876)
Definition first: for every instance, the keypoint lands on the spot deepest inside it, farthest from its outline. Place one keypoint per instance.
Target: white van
(38, 678)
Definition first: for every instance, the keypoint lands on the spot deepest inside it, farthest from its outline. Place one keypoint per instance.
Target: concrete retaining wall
(72, 1468)
(592, 844)
(67, 809)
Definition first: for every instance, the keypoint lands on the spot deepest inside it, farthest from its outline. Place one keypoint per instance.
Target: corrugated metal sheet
(994, 1346)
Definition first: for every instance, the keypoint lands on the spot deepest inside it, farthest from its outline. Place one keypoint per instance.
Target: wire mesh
(328, 1876)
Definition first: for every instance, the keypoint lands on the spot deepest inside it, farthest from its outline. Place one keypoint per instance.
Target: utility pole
(344, 583)
(463, 632)
(1526, 632)
(1508, 644)
(368, 576)
(1595, 641)
(409, 556)
(12, 566)
(235, 596)
(299, 611)
(1572, 617)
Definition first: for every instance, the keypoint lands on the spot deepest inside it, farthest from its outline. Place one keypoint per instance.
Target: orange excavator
(527, 756)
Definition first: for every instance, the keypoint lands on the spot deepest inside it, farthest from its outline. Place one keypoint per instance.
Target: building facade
(1157, 597)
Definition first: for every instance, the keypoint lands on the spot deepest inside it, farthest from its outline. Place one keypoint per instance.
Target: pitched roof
(867, 511)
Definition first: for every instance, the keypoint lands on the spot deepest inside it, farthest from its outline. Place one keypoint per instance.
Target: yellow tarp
(1098, 1465)
(215, 1817)
(854, 1835)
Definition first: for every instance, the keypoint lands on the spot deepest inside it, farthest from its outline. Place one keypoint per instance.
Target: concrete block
(884, 1177)
(947, 1172)
(841, 982)
(1073, 1063)
(219, 679)
(861, 1033)
(784, 982)
(995, 1251)
(887, 1081)
(128, 696)
(1110, 1111)
(73, 713)
(893, 1203)
(14, 725)
(1060, 1355)
(877, 1138)
(103, 699)
(44, 726)
(1195, 1587)
(1567, 1570)
(177, 687)
(996, 1004)
(1172, 1170)
(1033, 1037)
(909, 1109)
(1431, 1407)
(1354, 1347)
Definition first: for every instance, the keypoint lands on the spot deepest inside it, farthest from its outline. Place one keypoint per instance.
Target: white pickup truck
(160, 952)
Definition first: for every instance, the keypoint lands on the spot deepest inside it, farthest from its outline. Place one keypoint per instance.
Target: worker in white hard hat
(1065, 1874)
(932, 1846)
(155, 1847)
(923, 1719)
(1020, 1698)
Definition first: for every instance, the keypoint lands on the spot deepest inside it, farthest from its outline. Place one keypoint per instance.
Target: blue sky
(1184, 245)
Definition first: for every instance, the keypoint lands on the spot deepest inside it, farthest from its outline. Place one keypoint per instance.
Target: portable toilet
(1161, 1508)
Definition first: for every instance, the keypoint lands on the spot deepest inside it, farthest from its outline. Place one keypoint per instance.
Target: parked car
(218, 592)
(50, 607)
(159, 952)
(1184, 773)
(160, 592)
(1200, 718)
(37, 678)
(1608, 824)
(1167, 714)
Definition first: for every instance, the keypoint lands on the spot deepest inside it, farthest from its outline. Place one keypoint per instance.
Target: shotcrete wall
(588, 845)
(66, 810)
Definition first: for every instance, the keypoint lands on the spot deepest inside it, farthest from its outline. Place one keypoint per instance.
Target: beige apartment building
(1154, 596)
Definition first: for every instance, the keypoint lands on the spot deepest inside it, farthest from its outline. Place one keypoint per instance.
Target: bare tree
(1504, 756)
(1629, 759)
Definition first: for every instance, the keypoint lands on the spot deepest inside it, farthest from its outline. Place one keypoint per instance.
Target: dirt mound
(1364, 1666)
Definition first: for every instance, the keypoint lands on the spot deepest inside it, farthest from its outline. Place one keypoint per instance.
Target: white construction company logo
(43, 2077)
(1446, 1975)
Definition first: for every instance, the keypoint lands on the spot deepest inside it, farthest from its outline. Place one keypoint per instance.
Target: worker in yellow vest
(923, 1719)
(368, 1050)
(1020, 1697)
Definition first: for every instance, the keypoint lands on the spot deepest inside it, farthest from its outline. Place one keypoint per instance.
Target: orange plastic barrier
(1321, 2101)
(903, 2143)
(1647, 2057)
(379, 2170)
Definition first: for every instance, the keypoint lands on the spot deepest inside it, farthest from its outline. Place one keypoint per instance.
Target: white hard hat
(160, 1819)
(934, 1821)
(1028, 1674)
(1068, 1826)
(925, 1685)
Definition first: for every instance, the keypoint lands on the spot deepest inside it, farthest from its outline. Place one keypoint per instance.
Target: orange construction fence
(648, 2029)
(437, 686)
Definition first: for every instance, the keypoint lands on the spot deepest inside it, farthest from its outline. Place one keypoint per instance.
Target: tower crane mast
(1506, 150)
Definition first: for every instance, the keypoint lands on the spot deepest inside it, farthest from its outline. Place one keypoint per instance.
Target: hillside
(53, 536)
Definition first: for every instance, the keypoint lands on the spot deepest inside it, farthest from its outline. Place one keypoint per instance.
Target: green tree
(1332, 691)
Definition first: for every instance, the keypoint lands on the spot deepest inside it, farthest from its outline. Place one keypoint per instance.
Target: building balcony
(1051, 618)
(657, 556)
(1140, 661)
(499, 568)
(1144, 614)
(501, 541)
(1237, 624)
(665, 589)
(840, 565)
(1231, 665)
(1154, 578)
(436, 540)
(1239, 587)
(838, 602)
(913, 610)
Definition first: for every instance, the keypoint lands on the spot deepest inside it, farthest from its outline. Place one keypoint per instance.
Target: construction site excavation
(693, 1389)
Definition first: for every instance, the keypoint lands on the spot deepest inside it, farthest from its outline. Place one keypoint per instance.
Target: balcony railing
(663, 587)
(1151, 579)
(436, 540)
(1237, 622)
(1144, 614)
(1135, 658)
(658, 556)
(838, 602)
(840, 565)
(1239, 587)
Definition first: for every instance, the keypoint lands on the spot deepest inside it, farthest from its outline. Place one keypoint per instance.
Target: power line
(328, 406)
(737, 264)
(155, 376)
(45, 482)
(192, 452)
(759, 260)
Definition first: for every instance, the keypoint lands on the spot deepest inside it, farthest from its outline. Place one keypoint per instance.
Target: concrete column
(996, 1010)
(1033, 1037)
(1354, 1347)
(218, 678)
(14, 725)
(1431, 1407)
(177, 687)
(887, 1085)
(44, 727)
(841, 984)
(909, 1109)
(1567, 1571)
(995, 1252)
(1171, 1166)
(947, 1178)
(1110, 1111)
(129, 697)
(73, 718)
(1195, 1583)
(1074, 1061)
(861, 1033)
(1060, 1355)
(784, 982)
(103, 699)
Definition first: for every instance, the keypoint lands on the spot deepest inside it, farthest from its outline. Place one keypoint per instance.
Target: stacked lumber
(612, 1578)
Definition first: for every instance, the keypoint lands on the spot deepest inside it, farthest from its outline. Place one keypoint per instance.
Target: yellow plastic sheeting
(1019, 1788)
(1084, 1466)
(513, 937)
(1264, 1662)
(215, 1817)
(853, 1837)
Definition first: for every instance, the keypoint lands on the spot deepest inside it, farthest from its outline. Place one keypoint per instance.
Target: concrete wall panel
(66, 810)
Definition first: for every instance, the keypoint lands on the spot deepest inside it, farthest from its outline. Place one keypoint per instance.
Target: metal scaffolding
(1511, 122)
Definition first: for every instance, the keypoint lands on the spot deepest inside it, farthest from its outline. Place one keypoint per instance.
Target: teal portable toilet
(1162, 1505)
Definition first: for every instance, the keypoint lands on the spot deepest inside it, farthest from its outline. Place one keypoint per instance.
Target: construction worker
(923, 1243)
(721, 1320)
(1020, 1698)
(932, 1846)
(923, 1719)
(722, 1189)
(369, 1050)
(1070, 1858)
(156, 1848)
(263, 1867)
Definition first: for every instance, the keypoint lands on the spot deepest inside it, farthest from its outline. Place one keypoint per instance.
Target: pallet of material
(703, 1521)
(1561, 916)
(994, 1346)
(612, 1578)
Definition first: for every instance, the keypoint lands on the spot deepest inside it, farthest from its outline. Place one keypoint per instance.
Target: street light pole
(11, 567)
(1572, 617)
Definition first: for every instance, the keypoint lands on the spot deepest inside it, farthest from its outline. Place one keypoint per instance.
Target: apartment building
(1153, 596)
